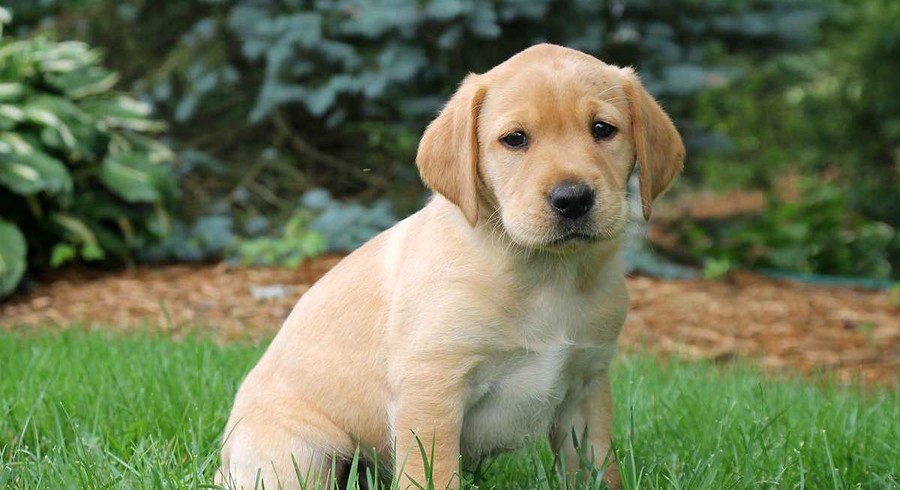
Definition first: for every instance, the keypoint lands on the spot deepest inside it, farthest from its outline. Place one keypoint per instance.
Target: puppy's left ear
(448, 153)
(658, 146)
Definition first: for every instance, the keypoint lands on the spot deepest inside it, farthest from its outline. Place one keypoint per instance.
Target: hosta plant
(81, 176)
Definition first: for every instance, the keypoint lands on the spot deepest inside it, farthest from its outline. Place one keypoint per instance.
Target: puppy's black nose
(572, 200)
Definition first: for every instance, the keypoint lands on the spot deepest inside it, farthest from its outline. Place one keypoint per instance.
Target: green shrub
(317, 224)
(835, 108)
(12, 256)
(295, 244)
(79, 176)
(816, 233)
(868, 89)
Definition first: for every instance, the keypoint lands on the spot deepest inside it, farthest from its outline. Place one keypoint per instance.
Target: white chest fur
(519, 393)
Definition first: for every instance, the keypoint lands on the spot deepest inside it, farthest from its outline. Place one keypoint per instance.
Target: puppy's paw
(611, 477)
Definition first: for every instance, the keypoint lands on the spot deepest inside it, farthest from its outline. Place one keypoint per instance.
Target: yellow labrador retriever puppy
(488, 317)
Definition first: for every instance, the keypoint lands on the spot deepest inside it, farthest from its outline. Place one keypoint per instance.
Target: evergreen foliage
(344, 87)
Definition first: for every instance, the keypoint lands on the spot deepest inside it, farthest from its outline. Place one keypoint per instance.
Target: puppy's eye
(603, 130)
(516, 139)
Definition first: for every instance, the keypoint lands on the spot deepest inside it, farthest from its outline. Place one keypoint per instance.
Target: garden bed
(785, 326)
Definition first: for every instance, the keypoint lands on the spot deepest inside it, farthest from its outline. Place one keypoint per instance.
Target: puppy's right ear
(448, 153)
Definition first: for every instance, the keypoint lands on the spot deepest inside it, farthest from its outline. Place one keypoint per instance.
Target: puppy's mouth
(574, 238)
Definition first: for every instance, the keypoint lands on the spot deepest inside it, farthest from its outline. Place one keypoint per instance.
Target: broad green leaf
(159, 223)
(122, 112)
(48, 118)
(52, 138)
(12, 91)
(66, 56)
(156, 151)
(84, 81)
(61, 254)
(13, 254)
(92, 252)
(110, 242)
(18, 57)
(10, 116)
(78, 232)
(134, 177)
(12, 112)
(26, 170)
(75, 131)
(63, 108)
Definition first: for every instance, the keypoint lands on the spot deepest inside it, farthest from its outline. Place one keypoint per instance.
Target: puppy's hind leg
(273, 456)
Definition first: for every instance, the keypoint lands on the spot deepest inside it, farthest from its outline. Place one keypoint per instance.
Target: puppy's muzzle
(571, 200)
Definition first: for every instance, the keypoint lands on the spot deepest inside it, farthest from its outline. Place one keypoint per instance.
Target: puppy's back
(328, 356)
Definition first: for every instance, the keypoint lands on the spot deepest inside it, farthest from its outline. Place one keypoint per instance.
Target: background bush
(79, 176)
(268, 99)
(811, 234)
(289, 95)
(832, 114)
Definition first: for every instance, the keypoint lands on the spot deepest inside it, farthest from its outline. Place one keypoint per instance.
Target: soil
(783, 326)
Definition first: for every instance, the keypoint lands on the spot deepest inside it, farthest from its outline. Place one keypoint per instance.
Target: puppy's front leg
(594, 418)
(428, 411)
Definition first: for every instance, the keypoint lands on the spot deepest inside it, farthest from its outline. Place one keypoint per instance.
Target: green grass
(82, 410)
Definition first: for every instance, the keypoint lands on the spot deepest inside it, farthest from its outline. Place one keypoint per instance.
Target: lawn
(97, 410)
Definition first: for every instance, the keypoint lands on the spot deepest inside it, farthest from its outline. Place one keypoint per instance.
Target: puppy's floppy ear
(660, 152)
(448, 153)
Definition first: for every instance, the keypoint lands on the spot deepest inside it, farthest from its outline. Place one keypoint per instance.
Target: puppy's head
(543, 145)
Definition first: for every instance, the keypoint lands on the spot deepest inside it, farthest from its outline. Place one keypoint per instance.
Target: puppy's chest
(519, 392)
(522, 393)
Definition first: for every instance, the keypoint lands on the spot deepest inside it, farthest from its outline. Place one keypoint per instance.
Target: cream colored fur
(471, 324)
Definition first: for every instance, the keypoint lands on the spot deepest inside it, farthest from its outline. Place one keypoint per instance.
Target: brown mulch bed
(852, 334)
